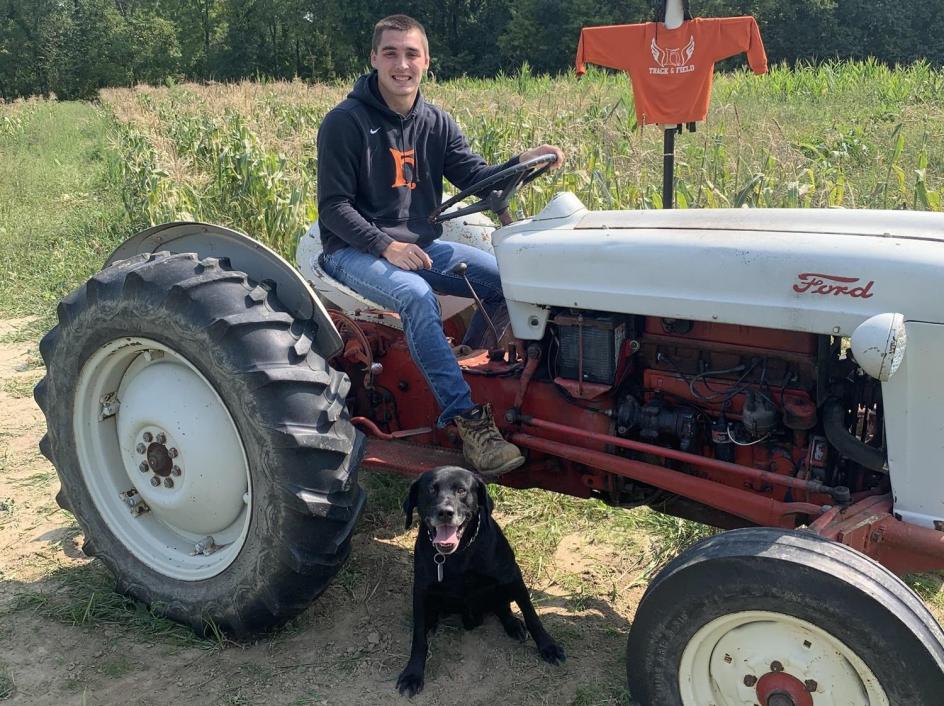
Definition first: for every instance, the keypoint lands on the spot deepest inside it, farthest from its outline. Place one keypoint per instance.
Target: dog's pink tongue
(446, 534)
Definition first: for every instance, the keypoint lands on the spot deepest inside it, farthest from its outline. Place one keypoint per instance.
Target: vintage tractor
(771, 372)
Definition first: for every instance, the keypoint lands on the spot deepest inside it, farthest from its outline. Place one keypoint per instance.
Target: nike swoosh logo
(374, 131)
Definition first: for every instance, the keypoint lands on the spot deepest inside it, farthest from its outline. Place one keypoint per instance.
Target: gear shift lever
(460, 270)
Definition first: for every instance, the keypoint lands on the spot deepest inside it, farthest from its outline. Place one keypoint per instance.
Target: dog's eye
(461, 491)
(433, 489)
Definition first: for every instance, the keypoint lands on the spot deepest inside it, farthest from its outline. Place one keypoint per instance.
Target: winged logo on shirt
(675, 60)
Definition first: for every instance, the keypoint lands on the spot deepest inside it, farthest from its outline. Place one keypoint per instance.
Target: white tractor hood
(819, 271)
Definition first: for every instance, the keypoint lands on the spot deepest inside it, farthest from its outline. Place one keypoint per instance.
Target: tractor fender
(247, 255)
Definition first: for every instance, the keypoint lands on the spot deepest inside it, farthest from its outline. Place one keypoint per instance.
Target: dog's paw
(552, 653)
(410, 683)
(516, 630)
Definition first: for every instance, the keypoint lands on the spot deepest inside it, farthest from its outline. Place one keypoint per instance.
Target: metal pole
(668, 168)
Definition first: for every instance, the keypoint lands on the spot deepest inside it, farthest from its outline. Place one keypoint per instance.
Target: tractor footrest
(408, 459)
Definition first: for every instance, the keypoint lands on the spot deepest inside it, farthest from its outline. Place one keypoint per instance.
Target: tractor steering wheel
(495, 192)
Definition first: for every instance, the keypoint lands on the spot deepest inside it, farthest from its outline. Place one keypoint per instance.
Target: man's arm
(339, 155)
(464, 168)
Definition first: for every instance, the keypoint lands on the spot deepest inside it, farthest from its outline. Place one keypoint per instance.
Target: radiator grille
(602, 339)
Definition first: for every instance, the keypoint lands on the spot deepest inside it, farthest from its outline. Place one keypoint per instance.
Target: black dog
(463, 564)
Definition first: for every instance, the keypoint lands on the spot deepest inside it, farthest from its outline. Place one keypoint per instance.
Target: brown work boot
(483, 445)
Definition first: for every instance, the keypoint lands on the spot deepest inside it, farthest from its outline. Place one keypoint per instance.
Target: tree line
(74, 47)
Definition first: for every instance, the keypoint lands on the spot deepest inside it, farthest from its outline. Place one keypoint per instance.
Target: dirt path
(65, 638)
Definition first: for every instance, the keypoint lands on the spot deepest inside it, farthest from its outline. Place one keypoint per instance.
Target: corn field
(852, 135)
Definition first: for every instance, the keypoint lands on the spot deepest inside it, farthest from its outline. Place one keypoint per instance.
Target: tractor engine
(788, 403)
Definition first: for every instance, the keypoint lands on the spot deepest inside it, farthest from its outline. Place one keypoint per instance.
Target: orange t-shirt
(671, 69)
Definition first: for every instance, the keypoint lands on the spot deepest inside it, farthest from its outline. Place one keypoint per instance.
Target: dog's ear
(410, 503)
(485, 500)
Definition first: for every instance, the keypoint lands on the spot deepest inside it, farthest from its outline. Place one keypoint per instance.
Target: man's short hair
(397, 23)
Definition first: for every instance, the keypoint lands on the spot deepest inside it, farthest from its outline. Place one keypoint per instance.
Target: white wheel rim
(724, 662)
(191, 522)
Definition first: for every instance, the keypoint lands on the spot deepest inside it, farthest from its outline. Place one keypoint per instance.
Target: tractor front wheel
(769, 617)
(202, 444)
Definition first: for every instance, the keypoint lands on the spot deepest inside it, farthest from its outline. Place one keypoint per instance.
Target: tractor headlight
(878, 345)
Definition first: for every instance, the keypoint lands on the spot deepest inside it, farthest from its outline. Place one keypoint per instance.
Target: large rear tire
(202, 445)
(770, 617)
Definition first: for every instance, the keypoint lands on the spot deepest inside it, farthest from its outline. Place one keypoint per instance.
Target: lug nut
(749, 680)
(810, 685)
(168, 482)
(155, 481)
(148, 437)
(175, 471)
(172, 452)
(775, 666)
(160, 438)
(144, 467)
(140, 448)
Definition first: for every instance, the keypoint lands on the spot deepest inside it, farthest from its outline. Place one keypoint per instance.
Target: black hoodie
(380, 173)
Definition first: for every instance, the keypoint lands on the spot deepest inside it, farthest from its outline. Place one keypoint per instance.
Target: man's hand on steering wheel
(496, 191)
(541, 151)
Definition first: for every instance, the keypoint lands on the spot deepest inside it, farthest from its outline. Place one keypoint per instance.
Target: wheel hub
(158, 458)
(782, 689)
(160, 455)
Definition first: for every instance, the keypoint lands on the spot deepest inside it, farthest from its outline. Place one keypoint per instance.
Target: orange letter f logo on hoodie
(399, 159)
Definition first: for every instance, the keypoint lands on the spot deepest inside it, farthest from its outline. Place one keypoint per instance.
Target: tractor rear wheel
(782, 618)
(202, 445)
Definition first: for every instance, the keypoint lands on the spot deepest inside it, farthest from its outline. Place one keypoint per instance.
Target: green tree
(544, 33)
(24, 31)
(89, 52)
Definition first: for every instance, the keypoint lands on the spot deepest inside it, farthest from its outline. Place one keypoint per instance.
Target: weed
(7, 684)
(19, 387)
(601, 695)
(29, 328)
(37, 480)
(669, 536)
(308, 699)
(117, 666)
(930, 587)
(84, 595)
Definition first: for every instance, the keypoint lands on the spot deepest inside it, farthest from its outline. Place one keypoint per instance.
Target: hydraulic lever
(460, 270)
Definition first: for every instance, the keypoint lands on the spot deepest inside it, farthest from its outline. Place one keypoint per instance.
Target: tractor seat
(308, 256)
(474, 230)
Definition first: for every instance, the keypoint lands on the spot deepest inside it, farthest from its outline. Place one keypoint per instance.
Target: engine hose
(834, 424)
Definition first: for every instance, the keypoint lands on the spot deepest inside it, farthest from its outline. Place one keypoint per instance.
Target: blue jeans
(412, 294)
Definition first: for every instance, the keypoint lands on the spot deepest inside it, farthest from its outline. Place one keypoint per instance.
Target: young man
(382, 156)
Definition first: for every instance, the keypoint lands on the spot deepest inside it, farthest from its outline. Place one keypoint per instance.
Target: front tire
(769, 617)
(202, 445)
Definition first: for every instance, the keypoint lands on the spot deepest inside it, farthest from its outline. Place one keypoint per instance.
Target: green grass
(85, 596)
(309, 699)
(60, 216)
(602, 695)
(116, 667)
(19, 387)
(930, 587)
(7, 685)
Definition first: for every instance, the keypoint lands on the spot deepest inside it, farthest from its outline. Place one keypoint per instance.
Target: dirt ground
(347, 648)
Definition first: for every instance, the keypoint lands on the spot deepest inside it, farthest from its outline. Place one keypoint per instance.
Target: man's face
(400, 61)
